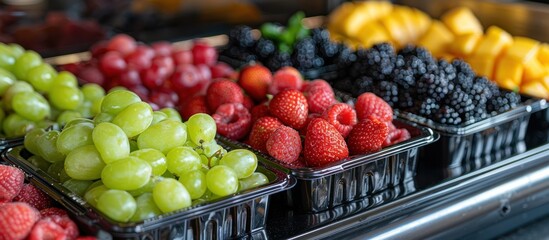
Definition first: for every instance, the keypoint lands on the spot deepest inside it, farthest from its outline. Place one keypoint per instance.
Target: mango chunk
(396, 29)
(536, 89)
(436, 38)
(373, 33)
(483, 65)
(461, 20)
(339, 15)
(361, 13)
(465, 44)
(405, 16)
(545, 81)
(523, 49)
(494, 41)
(421, 20)
(543, 54)
(509, 69)
(533, 70)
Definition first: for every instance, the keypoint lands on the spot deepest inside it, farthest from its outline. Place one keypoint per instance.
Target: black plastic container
(358, 177)
(10, 142)
(243, 214)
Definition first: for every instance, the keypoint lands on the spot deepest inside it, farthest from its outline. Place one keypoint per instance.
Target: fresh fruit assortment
(34, 94)
(515, 63)
(293, 45)
(133, 163)
(159, 73)
(28, 213)
(297, 108)
(414, 81)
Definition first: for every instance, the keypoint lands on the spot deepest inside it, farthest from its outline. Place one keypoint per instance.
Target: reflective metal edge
(454, 208)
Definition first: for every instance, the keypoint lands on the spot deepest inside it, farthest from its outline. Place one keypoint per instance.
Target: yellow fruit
(533, 70)
(362, 12)
(422, 21)
(405, 16)
(508, 69)
(396, 29)
(461, 20)
(483, 65)
(536, 89)
(543, 54)
(373, 33)
(436, 38)
(495, 40)
(508, 84)
(447, 56)
(523, 49)
(465, 44)
(339, 15)
(545, 81)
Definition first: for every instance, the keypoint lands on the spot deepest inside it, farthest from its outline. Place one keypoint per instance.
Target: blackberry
(404, 78)
(320, 35)
(423, 54)
(447, 115)
(345, 56)
(362, 85)
(446, 70)
(461, 102)
(387, 90)
(428, 107)
(377, 62)
(239, 53)
(242, 36)
(405, 99)
(479, 112)
(503, 102)
(488, 87)
(433, 86)
(304, 54)
(464, 75)
(278, 60)
(327, 49)
(264, 48)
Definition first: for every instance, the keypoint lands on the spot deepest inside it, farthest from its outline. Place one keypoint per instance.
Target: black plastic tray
(10, 142)
(239, 215)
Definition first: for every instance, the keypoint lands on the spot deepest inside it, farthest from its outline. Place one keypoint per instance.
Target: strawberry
(342, 117)
(86, 238)
(258, 111)
(395, 136)
(223, 91)
(11, 182)
(196, 104)
(34, 197)
(310, 117)
(290, 107)
(369, 104)
(286, 78)
(248, 102)
(233, 120)
(261, 131)
(53, 211)
(323, 144)
(54, 227)
(255, 80)
(16, 220)
(284, 144)
(367, 136)
(320, 95)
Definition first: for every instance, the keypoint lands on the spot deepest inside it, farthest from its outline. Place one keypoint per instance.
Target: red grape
(163, 99)
(204, 71)
(162, 48)
(122, 43)
(151, 78)
(182, 57)
(99, 49)
(91, 74)
(112, 64)
(164, 64)
(221, 70)
(185, 76)
(204, 54)
(129, 78)
(140, 59)
(141, 91)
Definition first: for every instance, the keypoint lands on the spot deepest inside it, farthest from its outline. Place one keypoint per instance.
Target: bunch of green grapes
(35, 95)
(133, 163)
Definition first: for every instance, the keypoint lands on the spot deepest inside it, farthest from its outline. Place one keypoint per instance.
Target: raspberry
(369, 104)
(395, 136)
(342, 117)
(16, 220)
(259, 111)
(261, 131)
(284, 144)
(233, 120)
(223, 91)
(34, 197)
(53, 211)
(11, 182)
(54, 227)
(284, 79)
(367, 136)
(319, 95)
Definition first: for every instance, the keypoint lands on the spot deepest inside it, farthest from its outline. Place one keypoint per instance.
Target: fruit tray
(357, 177)
(10, 142)
(239, 215)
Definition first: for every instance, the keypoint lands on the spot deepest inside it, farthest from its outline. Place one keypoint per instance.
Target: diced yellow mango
(533, 70)
(523, 49)
(508, 68)
(545, 81)
(483, 65)
(338, 16)
(461, 20)
(373, 33)
(396, 29)
(508, 84)
(494, 41)
(447, 56)
(361, 13)
(536, 89)
(379, 8)
(405, 16)
(464, 44)
(543, 54)
(436, 38)
(422, 21)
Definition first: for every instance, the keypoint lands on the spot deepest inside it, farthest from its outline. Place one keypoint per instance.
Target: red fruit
(11, 182)
(152, 78)
(53, 211)
(164, 65)
(323, 144)
(233, 120)
(34, 197)
(122, 43)
(162, 48)
(286, 78)
(290, 107)
(197, 104)
(367, 136)
(284, 144)
(129, 79)
(342, 117)
(261, 131)
(54, 227)
(248, 102)
(310, 117)
(182, 57)
(320, 95)
(221, 70)
(259, 111)
(255, 80)
(395, 136)
(73, 68)
(16, 220)
(86, 238)
(369, 104)
(91, 74)
(204, 54)
(112, 64)
(185, 77)
(163, 99)
(223, 91)
(141, 91)
(98, 49)
(204, 72)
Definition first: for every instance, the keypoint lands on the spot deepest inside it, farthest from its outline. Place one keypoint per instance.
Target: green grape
(146, 208)
(41, 77)
(172, 114)
(73, 137)
(85, 110)
(31, 105)
(16, 126)
(155, 158)
(39, 162)
(6, 80)
(96, 106)
(128, 173)
(57, 171)
(147, 188)
(212, 148)
(67, 116)
(78, 121)
(208, 196)
(222, 180)
(255, 180)
(16, 87)
(30, 140)
(16, 49)
(168, 174)
(182, 160)
(84, 163)
(163, 136)
(110, 141)
(195, 183)
(242, 161)
(115, 101)
(26, 62)
(133, 145)
(47, 143)
(95, 184)
(170, 195)
(158, 117)
(65, 78)
(201, 128)
(102, 117)
(134, 119)
(92, 91)
(78, 187)
(65, 97)
(117, 204)
(92, 195)
(7, 57)
(118, 88)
